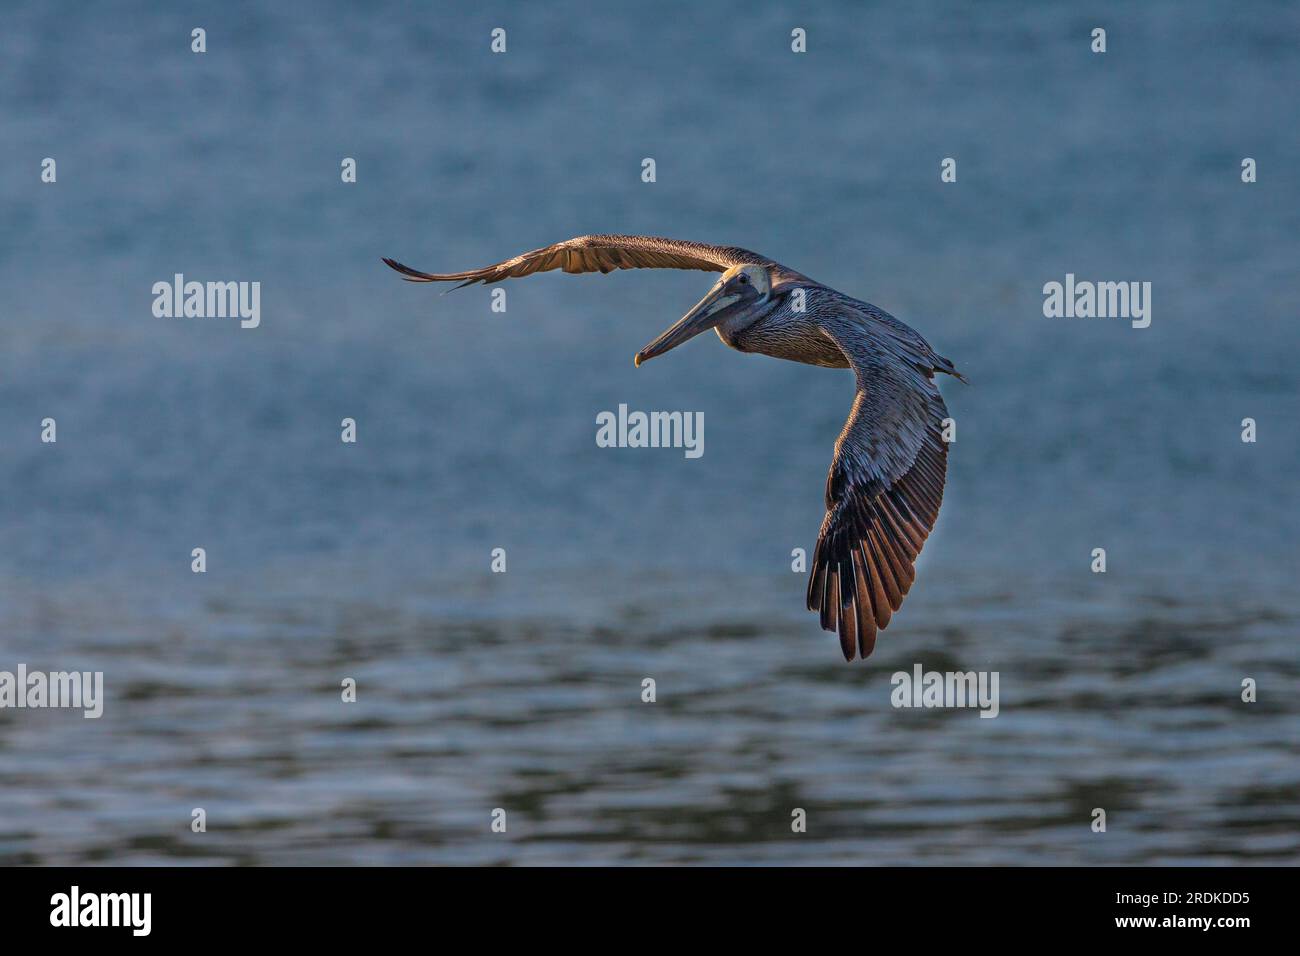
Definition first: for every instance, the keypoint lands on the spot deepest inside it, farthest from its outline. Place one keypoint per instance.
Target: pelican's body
(886, 479)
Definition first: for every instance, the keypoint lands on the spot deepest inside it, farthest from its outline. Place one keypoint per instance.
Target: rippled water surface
(476, 431)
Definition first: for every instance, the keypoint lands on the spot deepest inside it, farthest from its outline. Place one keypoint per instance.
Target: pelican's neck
(731, 329)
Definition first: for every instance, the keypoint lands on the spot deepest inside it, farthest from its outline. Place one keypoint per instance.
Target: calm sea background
(476, 431)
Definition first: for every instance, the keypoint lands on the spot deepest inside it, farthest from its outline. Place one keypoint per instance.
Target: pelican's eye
(744, 279)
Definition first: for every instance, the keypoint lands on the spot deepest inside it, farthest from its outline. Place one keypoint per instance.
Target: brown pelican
(886, 479)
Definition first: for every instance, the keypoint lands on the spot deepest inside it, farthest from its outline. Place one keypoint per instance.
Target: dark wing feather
(598, 254)
(884, 487)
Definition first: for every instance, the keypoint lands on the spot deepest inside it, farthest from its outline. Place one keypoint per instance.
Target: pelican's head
(739, 291)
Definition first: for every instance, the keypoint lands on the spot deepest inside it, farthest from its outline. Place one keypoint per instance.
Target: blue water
(476, 431)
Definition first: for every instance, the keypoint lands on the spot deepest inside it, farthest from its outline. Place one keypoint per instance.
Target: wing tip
(949, 369)
(405, 271)
(415, 275)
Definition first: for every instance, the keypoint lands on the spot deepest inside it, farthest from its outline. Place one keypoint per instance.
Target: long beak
(707, 313)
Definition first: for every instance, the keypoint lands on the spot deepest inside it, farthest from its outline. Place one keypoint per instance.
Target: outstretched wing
(885, 483)
(598, 254)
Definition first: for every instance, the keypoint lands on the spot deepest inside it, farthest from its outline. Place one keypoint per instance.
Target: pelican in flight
(886, 479)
